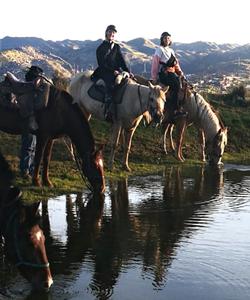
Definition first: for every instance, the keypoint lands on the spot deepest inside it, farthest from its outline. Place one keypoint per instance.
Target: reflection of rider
(165, 62)
(110, 64)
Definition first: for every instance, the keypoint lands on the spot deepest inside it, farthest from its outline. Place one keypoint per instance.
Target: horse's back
(78, 84)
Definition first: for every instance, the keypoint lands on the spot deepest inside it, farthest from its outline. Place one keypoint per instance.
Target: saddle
(19, 87)
(14, 91)
(97, 91)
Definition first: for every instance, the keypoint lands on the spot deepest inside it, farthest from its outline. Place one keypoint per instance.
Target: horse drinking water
(212, 133)
(59, 117)
(136, 101)
(24, 241)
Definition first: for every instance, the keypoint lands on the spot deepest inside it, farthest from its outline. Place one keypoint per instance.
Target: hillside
(69, 56)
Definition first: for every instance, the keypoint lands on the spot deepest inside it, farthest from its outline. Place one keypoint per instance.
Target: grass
(146, 155)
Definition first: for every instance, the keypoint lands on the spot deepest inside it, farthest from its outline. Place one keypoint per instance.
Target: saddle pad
(97, 92)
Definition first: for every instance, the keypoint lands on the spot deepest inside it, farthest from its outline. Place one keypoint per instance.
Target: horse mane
(203, 110)
(57, 95)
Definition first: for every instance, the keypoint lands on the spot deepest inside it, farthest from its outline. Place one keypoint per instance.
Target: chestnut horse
(60, 117)
(24, 241)
(136, 101)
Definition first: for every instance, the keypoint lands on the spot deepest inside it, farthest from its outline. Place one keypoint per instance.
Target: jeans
(27, 154)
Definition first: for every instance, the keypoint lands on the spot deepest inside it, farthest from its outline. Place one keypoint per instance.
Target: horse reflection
(107, 239)
(24, 241)
(83, 223)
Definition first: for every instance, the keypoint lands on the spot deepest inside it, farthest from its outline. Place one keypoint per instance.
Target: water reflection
(134, 239)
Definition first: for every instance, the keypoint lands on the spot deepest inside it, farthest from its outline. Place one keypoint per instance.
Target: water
(180, 235)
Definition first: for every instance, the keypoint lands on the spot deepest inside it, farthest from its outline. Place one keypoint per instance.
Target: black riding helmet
(111, 28)
(33, 72)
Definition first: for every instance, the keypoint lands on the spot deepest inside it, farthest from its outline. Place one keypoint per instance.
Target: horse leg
(128, 134)
(165, 138)
(201, 138)
(172, 146)
(87, 115)
(40, 145)
(180, 137)
(46, 161)
(116, 130)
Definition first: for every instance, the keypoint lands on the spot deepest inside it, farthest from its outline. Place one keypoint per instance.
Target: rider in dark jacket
(110, 63)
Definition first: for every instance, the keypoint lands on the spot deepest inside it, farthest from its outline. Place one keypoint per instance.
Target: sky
(218, 21)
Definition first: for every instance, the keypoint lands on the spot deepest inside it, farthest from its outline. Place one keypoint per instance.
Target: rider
(166, 65)
(110, 63)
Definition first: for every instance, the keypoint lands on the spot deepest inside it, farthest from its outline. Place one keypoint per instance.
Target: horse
(212, 133)
(24, 241)
(137, 100)
(60, 117)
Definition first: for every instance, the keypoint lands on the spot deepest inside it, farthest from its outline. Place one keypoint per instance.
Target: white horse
(137, 100)
(212, 133)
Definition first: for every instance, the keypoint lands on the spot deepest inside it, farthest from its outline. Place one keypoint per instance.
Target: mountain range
(68, 56)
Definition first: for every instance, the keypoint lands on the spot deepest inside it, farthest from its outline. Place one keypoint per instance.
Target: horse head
(216, 147)
(157, 99)
(92, 167)
(24, 239)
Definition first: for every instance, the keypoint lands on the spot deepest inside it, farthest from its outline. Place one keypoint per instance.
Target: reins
(139, 95)
(78, 161)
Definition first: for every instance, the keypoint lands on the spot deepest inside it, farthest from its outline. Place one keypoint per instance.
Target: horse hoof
(48, 183)
(127, 168)
(36, 183)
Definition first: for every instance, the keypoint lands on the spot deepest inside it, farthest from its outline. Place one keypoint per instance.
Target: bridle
(150, 99)
(12, 224)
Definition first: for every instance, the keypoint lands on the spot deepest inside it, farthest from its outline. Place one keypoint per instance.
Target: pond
(183, 234)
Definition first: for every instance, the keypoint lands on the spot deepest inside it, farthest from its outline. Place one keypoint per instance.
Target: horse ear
(151, 86)
(165, 89)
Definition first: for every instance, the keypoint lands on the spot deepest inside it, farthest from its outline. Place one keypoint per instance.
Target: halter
(20, 260)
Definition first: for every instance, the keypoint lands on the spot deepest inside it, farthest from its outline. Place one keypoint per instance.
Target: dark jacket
(109, 59)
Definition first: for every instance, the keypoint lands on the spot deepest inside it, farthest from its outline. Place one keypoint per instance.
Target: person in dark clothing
(166, 66)
(27, 154)
(28, 140)
(110, 63)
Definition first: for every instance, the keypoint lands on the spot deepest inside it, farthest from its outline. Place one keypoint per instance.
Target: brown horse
(24, 240)
(60, 117)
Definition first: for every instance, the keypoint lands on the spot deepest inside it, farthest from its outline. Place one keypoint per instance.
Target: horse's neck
(204, 117)
(79, 132)
(142, 97)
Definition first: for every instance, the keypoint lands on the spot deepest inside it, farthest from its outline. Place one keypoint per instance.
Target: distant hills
(69, 56)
